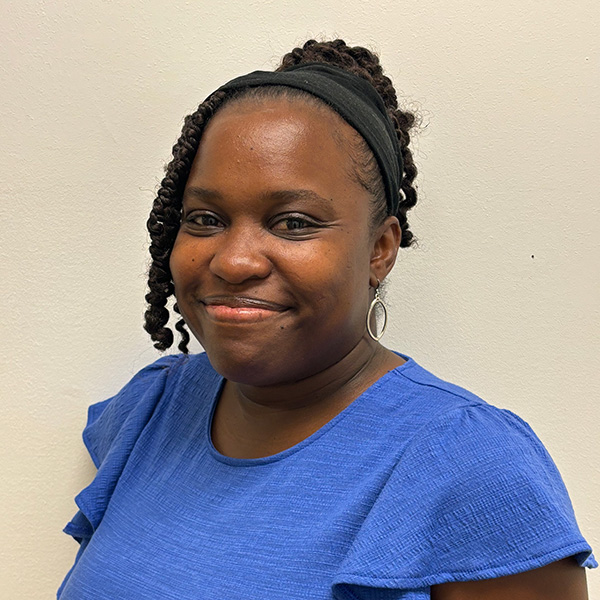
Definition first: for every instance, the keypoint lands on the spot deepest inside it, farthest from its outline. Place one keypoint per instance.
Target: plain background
(501, 296)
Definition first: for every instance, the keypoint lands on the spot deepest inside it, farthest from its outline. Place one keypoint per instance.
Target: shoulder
(128, 411)
(425, 384)
(474, 494)
(458, 428)
(115, 425)
(414, 405)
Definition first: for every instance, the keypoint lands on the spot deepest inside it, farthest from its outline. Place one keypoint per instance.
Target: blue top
(417, 482)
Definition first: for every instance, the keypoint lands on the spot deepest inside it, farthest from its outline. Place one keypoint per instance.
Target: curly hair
(165, 216)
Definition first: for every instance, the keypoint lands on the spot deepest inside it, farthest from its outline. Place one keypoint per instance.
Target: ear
(386, 241)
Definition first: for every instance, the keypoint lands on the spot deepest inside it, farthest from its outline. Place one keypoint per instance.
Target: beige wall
(501, 296)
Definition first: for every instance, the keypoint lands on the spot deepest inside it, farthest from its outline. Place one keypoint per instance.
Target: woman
(298, 457)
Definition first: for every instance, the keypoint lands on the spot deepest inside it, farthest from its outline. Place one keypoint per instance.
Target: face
(272, 262)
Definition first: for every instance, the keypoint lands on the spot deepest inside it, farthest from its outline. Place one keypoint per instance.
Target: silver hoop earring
(377, 300)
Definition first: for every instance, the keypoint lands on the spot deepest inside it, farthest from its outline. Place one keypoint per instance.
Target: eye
(202, 222)
(294, 225)
(207, 221)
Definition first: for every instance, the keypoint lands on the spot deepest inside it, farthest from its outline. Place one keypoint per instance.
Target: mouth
(241, 309)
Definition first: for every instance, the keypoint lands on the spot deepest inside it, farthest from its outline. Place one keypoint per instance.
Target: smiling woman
(275, 221)
(297, 457)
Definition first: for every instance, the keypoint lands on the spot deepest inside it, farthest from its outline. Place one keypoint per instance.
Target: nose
(241, 255)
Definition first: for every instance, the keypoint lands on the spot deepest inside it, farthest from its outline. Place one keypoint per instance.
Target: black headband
(355, 100)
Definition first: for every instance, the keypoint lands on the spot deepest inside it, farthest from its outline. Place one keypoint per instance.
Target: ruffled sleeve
(474, 496)
(112, 430)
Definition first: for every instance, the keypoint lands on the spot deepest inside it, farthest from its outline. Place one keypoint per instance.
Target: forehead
(286, 104)
(276, 143)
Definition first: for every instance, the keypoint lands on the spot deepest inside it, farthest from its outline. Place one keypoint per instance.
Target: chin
(244, 366)
(255, 374)
(263, 360)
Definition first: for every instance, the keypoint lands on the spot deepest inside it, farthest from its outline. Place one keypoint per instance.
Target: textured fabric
(417, 482)
(355, 100)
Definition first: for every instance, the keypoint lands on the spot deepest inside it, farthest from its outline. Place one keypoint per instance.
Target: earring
(377, 300)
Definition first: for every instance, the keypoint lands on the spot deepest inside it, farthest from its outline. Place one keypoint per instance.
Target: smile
(241, 309)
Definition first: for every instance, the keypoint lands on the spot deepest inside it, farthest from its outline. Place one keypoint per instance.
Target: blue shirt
(417, 482)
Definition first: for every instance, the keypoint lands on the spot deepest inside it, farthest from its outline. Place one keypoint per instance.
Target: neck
(362, 359)
(257, 421)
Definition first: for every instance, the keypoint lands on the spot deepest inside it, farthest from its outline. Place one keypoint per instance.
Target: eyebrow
(277, 195)
(201, 193)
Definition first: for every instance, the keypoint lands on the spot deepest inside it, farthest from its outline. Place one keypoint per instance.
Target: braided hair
(165, 216)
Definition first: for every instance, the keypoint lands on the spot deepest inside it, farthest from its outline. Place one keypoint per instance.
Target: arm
(562, 580)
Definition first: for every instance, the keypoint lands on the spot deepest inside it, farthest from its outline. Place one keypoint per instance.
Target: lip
(243, 302)
(241, 309)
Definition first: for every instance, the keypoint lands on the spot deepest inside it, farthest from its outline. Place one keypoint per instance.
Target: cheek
(183, 263)
(335, 282)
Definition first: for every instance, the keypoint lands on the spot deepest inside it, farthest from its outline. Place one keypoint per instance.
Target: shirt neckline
(273, 458)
